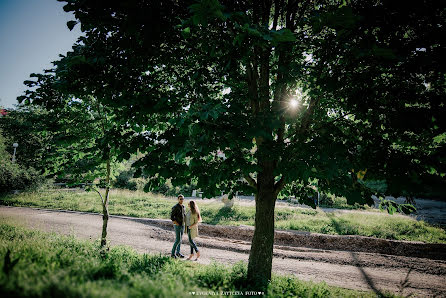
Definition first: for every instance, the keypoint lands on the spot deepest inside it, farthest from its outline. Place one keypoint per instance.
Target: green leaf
(407, 208)
(71, 24)
(124, 156)
(206, 9)
(251, 31)
(186, 32)
(137, 173)
(283, 35)
(180, 156)
(267, 37)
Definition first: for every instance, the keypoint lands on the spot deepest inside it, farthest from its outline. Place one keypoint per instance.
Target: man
(178, 215)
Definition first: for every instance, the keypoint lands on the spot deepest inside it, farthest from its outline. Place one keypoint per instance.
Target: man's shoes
(173, 257)
(180, 255)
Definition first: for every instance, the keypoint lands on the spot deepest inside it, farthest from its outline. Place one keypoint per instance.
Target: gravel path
(354, 270)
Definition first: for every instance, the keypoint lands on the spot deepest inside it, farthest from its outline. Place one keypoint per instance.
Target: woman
(193, 217)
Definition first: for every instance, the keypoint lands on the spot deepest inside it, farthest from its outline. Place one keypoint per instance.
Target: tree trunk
(104, 219)
(105, 214)
(261, 254)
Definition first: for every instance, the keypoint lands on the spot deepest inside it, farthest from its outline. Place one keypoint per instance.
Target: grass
(139, 204)
(37, 264)
(331, 201)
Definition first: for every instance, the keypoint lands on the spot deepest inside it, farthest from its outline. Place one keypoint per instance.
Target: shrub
(125, 180)
(12, 175)
(326, 200)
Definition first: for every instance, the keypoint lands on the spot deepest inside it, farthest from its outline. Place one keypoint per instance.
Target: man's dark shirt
(178, 214)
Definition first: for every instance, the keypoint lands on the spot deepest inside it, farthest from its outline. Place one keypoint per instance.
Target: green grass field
(139, 204)
(37, 264)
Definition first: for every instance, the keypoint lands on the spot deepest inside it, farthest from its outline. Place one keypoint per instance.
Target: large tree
(292, 92)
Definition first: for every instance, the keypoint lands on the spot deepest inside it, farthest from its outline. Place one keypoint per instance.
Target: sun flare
(294, 103)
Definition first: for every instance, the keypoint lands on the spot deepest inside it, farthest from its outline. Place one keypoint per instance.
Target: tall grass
(139, 204)
(36, 264)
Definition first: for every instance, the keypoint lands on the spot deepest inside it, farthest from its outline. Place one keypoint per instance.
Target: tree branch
(266, 11)
(279, 185)
(102, 199)
(277, 7)
(250, 181)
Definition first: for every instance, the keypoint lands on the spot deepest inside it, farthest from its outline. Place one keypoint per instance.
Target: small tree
(83, 132)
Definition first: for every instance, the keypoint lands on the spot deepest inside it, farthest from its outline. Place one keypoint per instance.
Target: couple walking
(185, 221)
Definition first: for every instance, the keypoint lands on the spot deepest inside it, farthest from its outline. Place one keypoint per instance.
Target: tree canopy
(292, 92)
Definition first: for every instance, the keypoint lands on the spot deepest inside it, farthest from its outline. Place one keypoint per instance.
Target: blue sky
(32, 34)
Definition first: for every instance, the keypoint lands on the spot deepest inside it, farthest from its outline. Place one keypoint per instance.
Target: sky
(32, 34)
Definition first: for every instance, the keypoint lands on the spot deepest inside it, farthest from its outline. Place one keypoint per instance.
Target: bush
(327, 200)
(169, 190)
(125, 180)
(12, 175)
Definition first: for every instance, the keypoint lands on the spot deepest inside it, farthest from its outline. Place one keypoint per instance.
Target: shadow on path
(356, 261)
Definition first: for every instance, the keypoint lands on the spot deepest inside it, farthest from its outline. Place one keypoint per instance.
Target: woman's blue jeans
(192, 243)
(178, 236)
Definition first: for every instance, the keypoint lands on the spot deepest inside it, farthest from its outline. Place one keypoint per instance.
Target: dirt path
(354, 270)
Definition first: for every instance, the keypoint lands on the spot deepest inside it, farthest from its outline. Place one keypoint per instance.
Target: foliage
(183, 119)
(80, 153)
(27, 126)
(86, 131)
(330, 201)
(343, 222)
(14, 176)
(42, 265)
(183, 81)
(393, 207)
(125, 180)
(168, 189)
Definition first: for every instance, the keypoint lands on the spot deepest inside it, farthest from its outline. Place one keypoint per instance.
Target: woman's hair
(194, 209)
